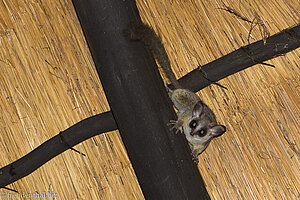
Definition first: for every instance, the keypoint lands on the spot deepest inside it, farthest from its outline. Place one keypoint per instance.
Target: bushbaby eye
(201, 132)
(193, 124)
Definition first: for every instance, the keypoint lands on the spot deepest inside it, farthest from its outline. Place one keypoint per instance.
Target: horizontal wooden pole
(256, 53)
(77, 133)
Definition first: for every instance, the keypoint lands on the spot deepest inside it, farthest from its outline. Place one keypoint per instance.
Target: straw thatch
(48, 82)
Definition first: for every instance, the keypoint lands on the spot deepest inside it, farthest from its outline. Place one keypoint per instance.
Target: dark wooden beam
(75, 134)
(139, 102)
(256, 53)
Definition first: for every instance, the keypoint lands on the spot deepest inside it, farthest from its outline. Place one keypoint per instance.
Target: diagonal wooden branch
(276, 45)
(246, 56)
(77, 133)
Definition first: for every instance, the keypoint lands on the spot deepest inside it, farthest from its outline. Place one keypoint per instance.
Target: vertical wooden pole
(139, 102)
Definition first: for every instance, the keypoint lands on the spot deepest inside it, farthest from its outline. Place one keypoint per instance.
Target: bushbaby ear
(218, 130)
(197, 110)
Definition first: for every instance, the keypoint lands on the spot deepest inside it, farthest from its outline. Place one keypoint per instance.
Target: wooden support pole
(139, 102)
(75, 134)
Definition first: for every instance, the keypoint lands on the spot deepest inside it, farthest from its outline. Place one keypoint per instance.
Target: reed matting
(48, 82)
